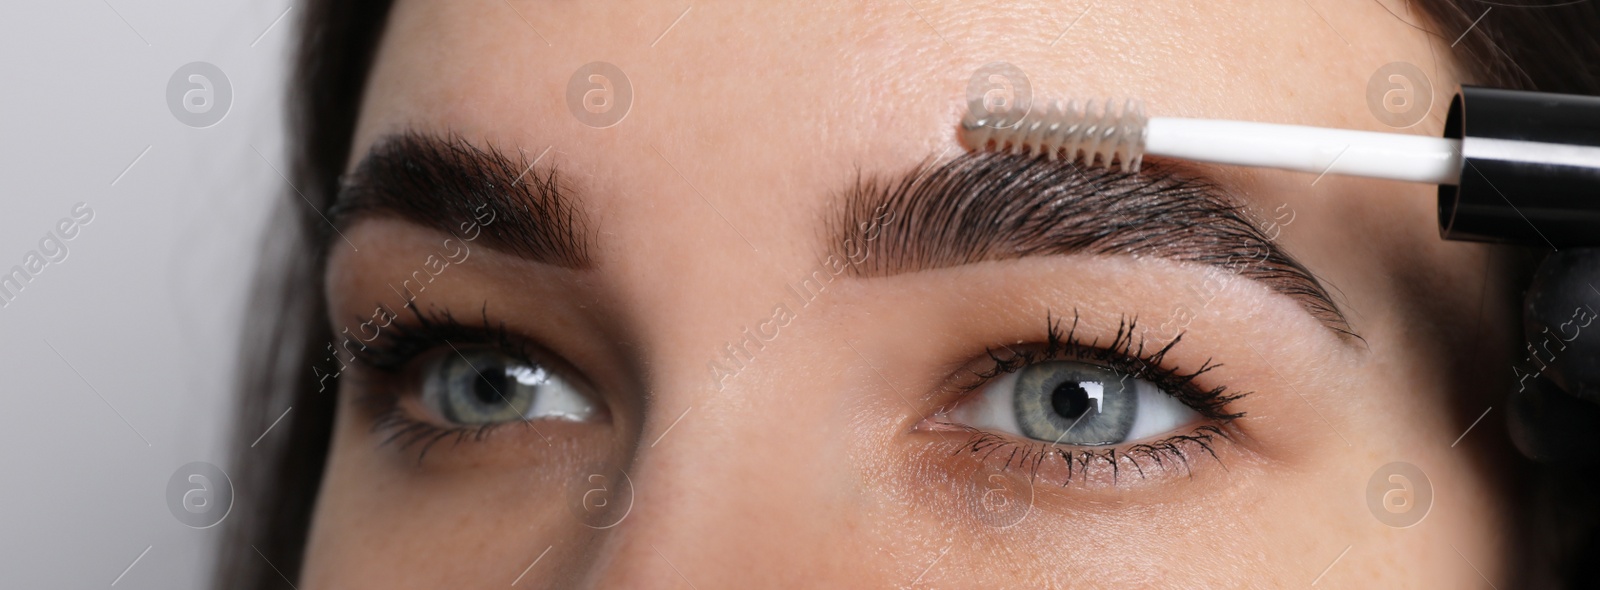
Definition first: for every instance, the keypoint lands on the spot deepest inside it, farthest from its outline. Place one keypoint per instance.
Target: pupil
(1070, 400)
(490, 387)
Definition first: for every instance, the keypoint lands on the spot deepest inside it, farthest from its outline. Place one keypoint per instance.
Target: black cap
(1530, 171)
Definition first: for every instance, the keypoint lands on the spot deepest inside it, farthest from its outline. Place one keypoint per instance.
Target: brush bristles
(1094, 134)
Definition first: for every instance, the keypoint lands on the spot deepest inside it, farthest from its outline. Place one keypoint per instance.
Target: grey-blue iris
(478, 387)
(1075, 403)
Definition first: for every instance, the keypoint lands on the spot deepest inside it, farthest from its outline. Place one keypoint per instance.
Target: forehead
(862, 80)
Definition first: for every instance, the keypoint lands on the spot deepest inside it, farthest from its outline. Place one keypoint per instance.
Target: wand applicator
(1512, 166)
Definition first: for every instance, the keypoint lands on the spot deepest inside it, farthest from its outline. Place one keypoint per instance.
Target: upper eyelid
(405, 340)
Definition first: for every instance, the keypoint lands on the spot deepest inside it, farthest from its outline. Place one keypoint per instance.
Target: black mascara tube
(1530, 171)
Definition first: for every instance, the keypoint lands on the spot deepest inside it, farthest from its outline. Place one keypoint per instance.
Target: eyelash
(1125, 354)
(397, 345)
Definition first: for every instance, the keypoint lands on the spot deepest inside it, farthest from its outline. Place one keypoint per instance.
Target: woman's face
(739, 312)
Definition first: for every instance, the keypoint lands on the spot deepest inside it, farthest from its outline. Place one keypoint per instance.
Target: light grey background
(145, 306)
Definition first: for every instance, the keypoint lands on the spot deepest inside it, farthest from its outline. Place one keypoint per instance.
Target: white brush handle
(1317, 150)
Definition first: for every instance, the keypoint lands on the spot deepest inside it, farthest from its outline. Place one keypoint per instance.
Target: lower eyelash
(406, 432)
(1079, 460)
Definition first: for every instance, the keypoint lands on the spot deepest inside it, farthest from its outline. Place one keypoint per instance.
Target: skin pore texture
(822, 462)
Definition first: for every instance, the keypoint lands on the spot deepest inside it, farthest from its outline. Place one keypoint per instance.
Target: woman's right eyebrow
(447, 183)
(988, 206)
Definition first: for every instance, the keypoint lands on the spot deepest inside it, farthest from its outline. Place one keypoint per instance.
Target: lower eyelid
(1180, 454)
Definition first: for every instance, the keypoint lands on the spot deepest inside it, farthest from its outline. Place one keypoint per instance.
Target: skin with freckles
(823, 461)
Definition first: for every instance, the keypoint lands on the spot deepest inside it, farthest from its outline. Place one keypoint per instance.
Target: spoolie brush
(1100, 134)
(1083, 133)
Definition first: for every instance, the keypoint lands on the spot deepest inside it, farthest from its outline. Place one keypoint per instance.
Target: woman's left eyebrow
(985, 206)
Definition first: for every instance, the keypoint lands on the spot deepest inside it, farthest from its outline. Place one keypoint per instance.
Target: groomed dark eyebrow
(446, 182)
(988, 206)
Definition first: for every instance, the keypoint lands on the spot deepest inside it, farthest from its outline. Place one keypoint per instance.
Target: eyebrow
(994, 206)
(447, 183)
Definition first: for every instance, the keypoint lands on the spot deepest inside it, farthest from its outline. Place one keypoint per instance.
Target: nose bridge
(713, 501)
(740, 478)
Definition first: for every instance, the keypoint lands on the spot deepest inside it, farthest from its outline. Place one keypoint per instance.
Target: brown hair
(1545, 48)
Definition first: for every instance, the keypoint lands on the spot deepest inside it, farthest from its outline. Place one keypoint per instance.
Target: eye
(1074, 403)
(480, 387)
